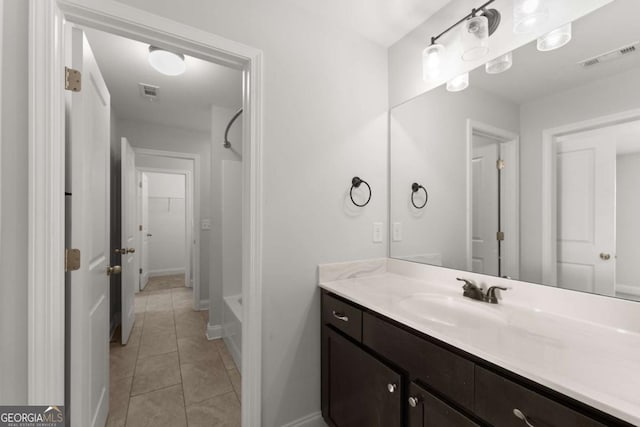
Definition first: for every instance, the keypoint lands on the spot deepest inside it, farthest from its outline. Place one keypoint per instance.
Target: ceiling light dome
(165, 62)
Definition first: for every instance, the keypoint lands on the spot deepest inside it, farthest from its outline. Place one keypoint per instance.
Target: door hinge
(140, 271)
(71, 260)
(72, 79)
(140, 227)
(500, 235)
(500, 164)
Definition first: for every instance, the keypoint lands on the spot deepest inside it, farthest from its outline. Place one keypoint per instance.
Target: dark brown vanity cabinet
(378, 373)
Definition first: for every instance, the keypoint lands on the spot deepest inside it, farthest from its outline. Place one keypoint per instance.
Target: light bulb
(555, 39)
(458, 83)
(528, 15)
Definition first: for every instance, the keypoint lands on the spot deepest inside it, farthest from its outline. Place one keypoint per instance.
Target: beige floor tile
(152, 344)
(236, 380)
(134, 337)
(203, 381)
(156, 372)
(162, 408)
(122, 360)
(220, 411)
(119, 391)
(158, 322)
(199, 350)
(140, 303)
(115, 422)
(189, 323)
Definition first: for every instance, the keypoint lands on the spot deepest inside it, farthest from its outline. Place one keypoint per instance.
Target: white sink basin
(452, 312)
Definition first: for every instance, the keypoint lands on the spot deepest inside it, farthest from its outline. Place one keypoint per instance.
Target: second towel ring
(415, 187)
(355, 183)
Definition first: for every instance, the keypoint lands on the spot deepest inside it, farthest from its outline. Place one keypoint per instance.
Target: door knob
(120, 250)
(149, 234)
(605, 257)
(131, 251)
(115, 269)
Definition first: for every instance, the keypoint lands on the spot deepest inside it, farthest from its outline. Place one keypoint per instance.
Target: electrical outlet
(377, 232)
(397, 232)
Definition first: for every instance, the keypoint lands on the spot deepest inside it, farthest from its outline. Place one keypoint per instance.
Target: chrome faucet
(471, 290)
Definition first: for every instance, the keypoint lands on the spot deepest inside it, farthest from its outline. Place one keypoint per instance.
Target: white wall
(167, 222)
(231, 227)
(429, 146)
(13, 201)
(158, 137)
(405, 56)
(325, 121)
(627, 223)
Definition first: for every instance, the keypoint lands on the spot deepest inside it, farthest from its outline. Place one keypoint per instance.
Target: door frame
(549, 193)
(510, 152)
(191, 233)
(46, 212)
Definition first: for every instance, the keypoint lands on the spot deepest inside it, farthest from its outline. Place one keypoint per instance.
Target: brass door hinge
(500, 164)
(140, 271)
(71, 260)
(72, 79)
(500, 235)
(140, 228)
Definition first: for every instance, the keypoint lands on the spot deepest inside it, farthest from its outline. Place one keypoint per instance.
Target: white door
(129, 235)
(146, 236)
(485, 205)
(586, 178)
(88, 178)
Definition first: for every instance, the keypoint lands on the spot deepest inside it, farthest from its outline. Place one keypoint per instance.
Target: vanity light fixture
(500, 64)
(474, 38)
(458, 83)
(528, 14)
(555, 39)
(432, 60)
(165, 62)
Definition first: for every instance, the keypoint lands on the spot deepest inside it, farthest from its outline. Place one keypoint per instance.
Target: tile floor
(169, 374)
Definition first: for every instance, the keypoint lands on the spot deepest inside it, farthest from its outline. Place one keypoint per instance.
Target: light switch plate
(206, 224)
(397, 232)
(377, 232)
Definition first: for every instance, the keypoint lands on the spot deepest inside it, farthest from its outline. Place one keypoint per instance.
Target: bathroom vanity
(409, 350)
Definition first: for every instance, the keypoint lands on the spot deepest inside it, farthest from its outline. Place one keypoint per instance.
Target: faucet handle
(467, 283)
(490, 296)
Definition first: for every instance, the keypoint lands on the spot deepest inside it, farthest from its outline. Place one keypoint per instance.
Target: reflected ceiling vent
(149, 92)
(611, 55)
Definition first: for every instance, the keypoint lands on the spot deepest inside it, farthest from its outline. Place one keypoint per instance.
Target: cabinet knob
(520, 415)
(414, 401)
(391, 387)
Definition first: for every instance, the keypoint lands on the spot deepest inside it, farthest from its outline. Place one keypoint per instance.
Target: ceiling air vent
(149, 92)
(611, 55)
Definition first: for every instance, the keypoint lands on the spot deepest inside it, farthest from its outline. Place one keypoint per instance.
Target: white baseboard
(166, 272)
(214, 332)
(204, 305)
(311, 420)
(628, 290)
(234, 351)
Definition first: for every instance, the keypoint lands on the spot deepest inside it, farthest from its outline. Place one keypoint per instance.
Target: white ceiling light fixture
(500, 64)
(165, 62)
(527, 15)
(458, 83)
(555, 39)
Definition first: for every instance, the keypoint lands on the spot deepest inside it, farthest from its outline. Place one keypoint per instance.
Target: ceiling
(537, 74)
(382, 21)
(184, 101)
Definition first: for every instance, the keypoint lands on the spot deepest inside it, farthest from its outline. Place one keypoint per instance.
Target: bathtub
(232, 327)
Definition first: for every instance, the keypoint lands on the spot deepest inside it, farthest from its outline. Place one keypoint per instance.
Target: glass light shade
(500, 64)
(432, 61)
(458, 83)
(555, 39)
(475, 38)
(165, 62)
(527, 15)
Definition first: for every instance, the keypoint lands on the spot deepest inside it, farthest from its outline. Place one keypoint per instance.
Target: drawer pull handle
(414, 401)
(520, 415)
(391, 387)
(340, 316)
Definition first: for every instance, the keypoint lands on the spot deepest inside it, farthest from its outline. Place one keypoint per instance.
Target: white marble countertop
(596, 364)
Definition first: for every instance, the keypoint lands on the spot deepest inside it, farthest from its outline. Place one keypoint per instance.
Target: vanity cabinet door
(426, 410)
(360, 390)
(498, 397)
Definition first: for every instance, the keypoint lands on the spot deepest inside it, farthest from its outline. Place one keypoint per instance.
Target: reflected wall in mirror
(534, 173)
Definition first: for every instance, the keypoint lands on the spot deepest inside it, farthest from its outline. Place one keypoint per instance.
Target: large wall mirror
(533, 173)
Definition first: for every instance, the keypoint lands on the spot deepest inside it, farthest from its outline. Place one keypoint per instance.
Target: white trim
(311, 420)
(510, 152)
(46, 187)
(549, 218)
(214, 332)
(192, 211)
(46, 211)
(1, 67)
(204, 305)
(166, 272)
(627, 290)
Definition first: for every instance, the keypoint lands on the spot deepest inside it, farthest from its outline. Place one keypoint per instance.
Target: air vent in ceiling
(611, 55)
(149, 92)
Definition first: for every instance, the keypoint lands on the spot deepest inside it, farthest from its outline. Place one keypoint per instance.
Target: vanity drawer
(497, 398)
(444, 371)
(342, 316)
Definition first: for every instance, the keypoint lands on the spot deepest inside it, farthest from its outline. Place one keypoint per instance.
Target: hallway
(169, 374)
